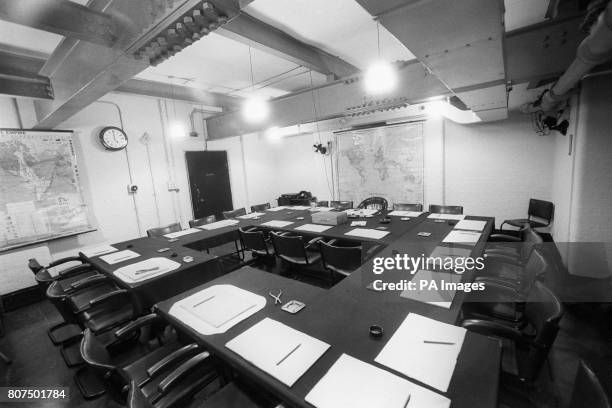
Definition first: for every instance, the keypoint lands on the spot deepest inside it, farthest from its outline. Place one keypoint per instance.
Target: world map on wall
(40, 192)
(384, 161)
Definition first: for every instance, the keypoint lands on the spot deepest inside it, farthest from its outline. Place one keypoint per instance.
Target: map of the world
(40, 192)
(384, 161)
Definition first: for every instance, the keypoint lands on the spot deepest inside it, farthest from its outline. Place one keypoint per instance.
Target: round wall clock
(113, 138)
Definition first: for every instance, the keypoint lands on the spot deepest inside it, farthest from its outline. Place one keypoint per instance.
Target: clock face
(113, 138)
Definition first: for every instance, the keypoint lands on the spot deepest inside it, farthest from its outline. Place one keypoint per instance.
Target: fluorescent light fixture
(380, 78)
(177, 130)
(441, 108)
(255, 110)
(276, 133)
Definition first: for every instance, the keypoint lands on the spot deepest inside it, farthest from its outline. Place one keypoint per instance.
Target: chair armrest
(64, 260)
(499, 281)
(108, 296)
(490, 328)
(514, 252)
(496, 292)
(87, 282)
(313, 242)
(132, 326)
(75, 270)
(34, 265)
(502, 258)
(175, 376)
(177, 355)
(503, 238)
(332, 241)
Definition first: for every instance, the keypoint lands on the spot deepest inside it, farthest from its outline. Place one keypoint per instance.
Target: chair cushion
(102, 318)
(522, 221)
(313, 257)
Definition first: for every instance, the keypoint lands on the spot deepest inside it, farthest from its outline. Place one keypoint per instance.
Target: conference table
(339, 316)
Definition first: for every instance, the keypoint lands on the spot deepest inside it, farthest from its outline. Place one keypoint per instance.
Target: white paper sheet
(284, 353)
(353, 383)
(443, 252)
(364, 212)
(98, 250)
(217, 308)
(433, 296)
(279, 208)
(299, 207)
(183, 232)
(313, 227)
(367, 233)
(120, 256)
(219, 224)
(408, 353)
(317, 209)
(402, 213)
(471, 225)
(459, 236)
(147, 269)
(359, 223)
(251, 215)
(446, 216)
(277, 224)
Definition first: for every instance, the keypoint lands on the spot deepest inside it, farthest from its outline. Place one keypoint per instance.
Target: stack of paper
(464, 237)
(277, 224)
(355, 384)
(446, 216)
(401, 213)
(299, 207)
(284, 353)
(217, 308)
(434, 295)
(367, 233)
(363, 212)
(120, 256)
(98, 250)
(471, 225)
(219, 224)
(251, 215)
(146, 269)
(313, 228)
(317, 209)
(424, 349)
(181, 233)
(282, 207)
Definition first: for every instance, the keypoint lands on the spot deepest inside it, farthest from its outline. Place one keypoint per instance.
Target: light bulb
(380, 77)
(177, 130)
(255, 110)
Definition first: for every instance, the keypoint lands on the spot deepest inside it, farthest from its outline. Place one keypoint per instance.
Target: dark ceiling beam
(258, 34)
(26, 87)
(63, 17)
(181, 93)
(19, 65)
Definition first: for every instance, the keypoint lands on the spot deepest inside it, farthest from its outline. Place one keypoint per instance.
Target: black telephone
(304, 195)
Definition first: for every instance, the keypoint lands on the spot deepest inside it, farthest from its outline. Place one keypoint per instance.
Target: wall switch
(132, 188)
(173, 187)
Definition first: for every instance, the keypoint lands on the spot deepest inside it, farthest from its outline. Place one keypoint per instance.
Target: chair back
(289, 247)
(202, 221)
(537, 265)
(446, 209)
(543, 311)
(342, 259)
(159, 231)
(253, 240)
(234, 213)
(322, 203)
(374, 203)
(407, 207)
(541, 209)
(529, 240)
(588, 391)
(341, 205)
(260, 207)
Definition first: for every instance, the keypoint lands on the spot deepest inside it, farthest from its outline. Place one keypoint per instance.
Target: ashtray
(385, 220)
(376, 331)
(293, 306)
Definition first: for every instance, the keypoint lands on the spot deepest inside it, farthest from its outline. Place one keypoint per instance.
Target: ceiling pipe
(594, 50)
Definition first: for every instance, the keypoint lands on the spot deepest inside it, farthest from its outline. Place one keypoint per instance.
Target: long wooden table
(339, 316)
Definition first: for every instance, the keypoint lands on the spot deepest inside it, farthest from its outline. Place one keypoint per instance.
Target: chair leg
(5, 358)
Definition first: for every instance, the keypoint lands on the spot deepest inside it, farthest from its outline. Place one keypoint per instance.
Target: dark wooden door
(209, 183)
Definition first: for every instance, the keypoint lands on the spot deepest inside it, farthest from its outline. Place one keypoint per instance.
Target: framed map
(385, 161)
(40, 193)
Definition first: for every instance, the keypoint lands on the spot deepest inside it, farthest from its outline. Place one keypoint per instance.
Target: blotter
(402, 213)
(279, 208)
(147, 269)
(219, 224)
(276, 224)
(217, 308)
(284, 353)
(181, 233)
(367, 233)
(471, 225)
(120, 256)
(424, 349)
(352, 383)
(437, 297)
(98, 250)
(463, 237)
(446, 216)
(251, 215)
(313, 227)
